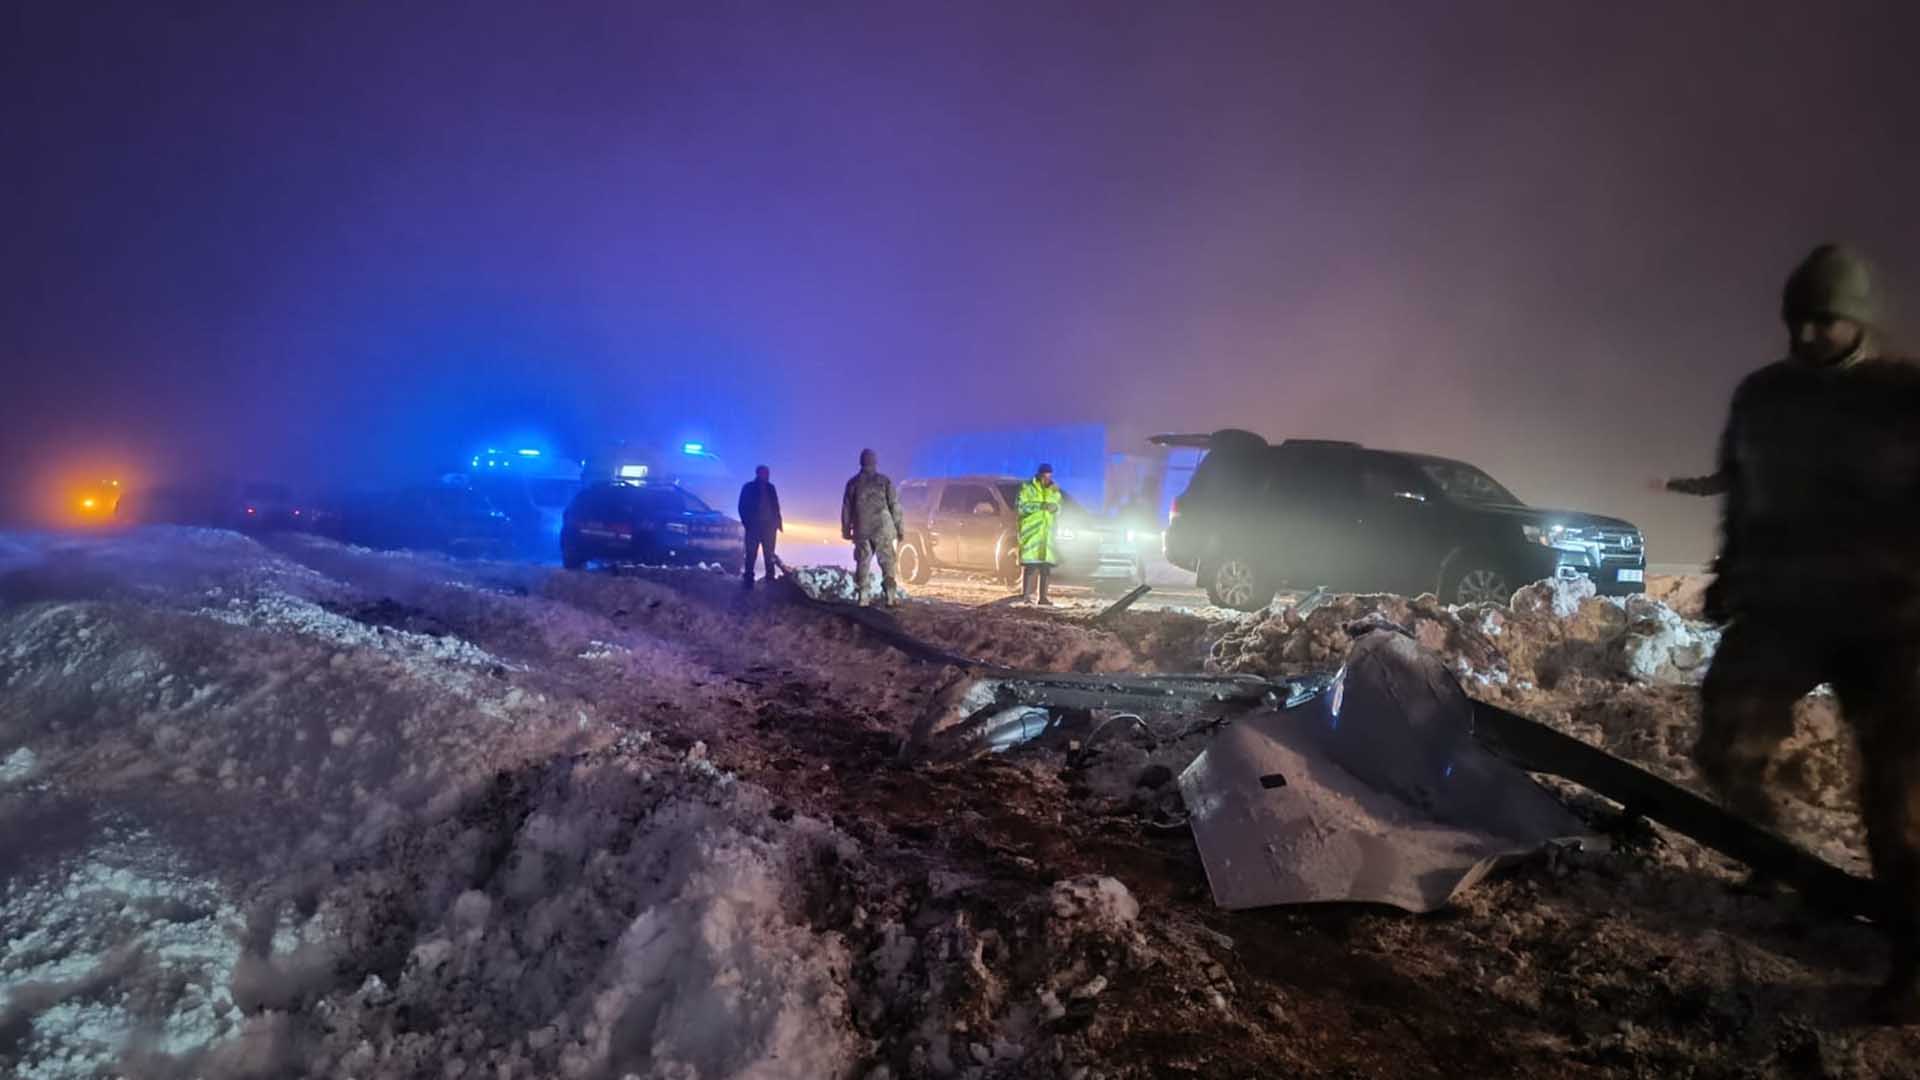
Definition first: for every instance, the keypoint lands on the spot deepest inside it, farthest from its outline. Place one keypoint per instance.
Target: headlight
(1561, 537)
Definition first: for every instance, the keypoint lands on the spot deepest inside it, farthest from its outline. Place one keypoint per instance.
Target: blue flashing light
(693, 447)
(491, 450)
(529, 453)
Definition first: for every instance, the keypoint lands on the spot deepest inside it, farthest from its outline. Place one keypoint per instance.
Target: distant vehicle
(179, 504)
(972, 524)
(1305, 513)
(268, 506)
(534, 498)
(1107, 467)
(654, 523)
(691, 466)
(449, 518)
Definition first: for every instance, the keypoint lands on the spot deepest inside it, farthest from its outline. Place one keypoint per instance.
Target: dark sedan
(646, 523)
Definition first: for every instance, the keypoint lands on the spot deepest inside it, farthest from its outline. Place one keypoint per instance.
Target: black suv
(1307, 513)
(972, 523)
(648, 523)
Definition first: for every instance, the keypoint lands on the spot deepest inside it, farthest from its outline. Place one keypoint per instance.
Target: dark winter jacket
(760, 507)
(1823, 491)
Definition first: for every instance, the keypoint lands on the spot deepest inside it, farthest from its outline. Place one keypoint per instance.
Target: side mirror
(986, 509)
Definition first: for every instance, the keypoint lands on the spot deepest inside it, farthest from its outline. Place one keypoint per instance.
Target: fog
(350, 242)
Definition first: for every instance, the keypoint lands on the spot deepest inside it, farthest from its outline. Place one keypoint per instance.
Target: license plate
(1635, 576)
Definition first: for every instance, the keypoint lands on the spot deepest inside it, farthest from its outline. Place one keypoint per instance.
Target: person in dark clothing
(1817, 583)
(1831, 309)
(760, 515)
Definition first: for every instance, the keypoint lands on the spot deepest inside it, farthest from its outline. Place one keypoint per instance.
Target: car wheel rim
(1234, 582)
(1484, 587)
(909, 563)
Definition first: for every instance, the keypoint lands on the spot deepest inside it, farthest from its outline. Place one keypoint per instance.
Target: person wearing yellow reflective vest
(1039, 513)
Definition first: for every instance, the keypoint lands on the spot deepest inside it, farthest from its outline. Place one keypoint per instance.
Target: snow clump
(18, 766)
(834, 584)
(115, 958)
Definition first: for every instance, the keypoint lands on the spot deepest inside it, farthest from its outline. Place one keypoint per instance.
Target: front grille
(1619, 546)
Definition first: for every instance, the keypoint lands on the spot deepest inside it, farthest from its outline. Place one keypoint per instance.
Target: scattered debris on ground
(299, 809)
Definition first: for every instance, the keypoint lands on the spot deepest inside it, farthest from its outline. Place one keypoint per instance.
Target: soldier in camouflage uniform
(870, 517)
(1818, 578)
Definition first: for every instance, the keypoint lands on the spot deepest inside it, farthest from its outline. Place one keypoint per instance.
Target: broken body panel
(1372, 792)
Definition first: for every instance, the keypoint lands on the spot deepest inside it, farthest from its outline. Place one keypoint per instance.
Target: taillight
(1175, 512)
(249, 509)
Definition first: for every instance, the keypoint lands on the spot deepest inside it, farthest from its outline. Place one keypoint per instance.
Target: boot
(893, 596)
(1044, 574)
(1026, 584)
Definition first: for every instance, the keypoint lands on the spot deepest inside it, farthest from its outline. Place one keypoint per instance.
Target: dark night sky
(336, 239)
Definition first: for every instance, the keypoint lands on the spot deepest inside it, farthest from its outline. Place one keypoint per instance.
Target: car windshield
(1466, 483)
(671, 501)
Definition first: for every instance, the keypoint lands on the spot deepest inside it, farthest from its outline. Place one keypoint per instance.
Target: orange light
(89, 502)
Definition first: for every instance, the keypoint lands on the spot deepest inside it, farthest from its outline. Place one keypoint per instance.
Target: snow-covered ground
(298, 809)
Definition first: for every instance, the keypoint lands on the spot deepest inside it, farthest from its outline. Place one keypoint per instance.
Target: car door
(915, 501)
(944, 529)
(1394, 537)
(970, 520)
(1309, 503)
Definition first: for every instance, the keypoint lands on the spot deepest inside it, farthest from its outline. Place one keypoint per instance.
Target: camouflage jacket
(870, 509)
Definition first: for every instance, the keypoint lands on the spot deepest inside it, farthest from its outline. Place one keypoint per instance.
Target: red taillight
(1175, 512)
(249, 509)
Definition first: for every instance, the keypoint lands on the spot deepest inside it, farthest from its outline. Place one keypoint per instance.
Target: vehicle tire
(911, 564)
(1239, 583)
(1476, 581)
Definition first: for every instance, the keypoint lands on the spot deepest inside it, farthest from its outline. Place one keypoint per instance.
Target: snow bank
(1552, 630)
(632, 923)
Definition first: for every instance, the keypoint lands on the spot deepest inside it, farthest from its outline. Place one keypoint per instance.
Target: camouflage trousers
(1765, 664)
(864, 551)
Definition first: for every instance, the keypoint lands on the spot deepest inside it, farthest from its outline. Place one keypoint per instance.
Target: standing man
(1831, 277)
(1039, 513)
(1818, 583)
(870, 517)
(760, 514)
